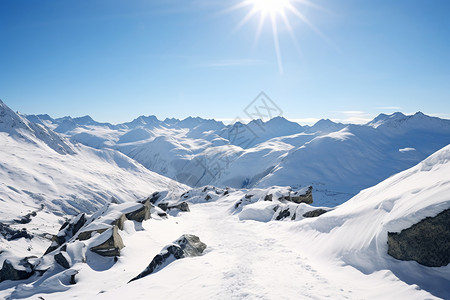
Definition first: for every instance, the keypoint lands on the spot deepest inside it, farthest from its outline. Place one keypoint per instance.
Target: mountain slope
(341, 254)
(38, 167)
(344, 162)
(337, 159)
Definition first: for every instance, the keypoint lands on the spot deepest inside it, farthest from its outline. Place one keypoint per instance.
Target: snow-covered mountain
(40, 167)
(337, 159)
(260, 243)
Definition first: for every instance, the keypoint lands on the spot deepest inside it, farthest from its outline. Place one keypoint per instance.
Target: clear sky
(116, 60)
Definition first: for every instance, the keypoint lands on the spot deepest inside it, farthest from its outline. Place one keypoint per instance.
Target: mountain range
(338, 160)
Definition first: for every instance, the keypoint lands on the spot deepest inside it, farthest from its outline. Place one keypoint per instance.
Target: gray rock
(11, 234)
(23, 271)
(301, 198)
(72, 274)
(268, 197)
(427, 242)
(119, 222)
(66, 232)
(183, 206)
(154, 197)
(285, 213)
(141, 214)
(62, 260)
(314, 213)
(85, 235)
(110, 247)
(186, 246)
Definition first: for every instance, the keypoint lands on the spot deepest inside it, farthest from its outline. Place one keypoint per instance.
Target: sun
(275, 11)
(269, 7)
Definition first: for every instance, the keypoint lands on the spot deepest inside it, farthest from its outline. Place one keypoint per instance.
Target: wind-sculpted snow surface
(338, 160)
(262, 243)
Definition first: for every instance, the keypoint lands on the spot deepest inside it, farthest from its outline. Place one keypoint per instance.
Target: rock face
(315, 213)
(183, 206)
(10, 272)
(283, 214)
(12, 234)
(140, 214)
(66, 232)
(186, 246)
(112, 245)
(119, 222)
(301, 198)
(85, 235)
(427, 242)
(62, 260)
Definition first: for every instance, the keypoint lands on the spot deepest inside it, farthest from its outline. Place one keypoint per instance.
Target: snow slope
(341, 254)
(39, 167)
(338, 160)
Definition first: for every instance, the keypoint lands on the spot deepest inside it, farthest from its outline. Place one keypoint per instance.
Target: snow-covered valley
(274, 215)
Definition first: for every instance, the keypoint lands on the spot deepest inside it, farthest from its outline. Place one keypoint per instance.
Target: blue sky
(116, 60)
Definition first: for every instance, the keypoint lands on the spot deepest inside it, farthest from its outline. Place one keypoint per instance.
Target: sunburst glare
(275, 11)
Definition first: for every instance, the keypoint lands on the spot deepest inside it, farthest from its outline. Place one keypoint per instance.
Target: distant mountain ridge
(337, 159)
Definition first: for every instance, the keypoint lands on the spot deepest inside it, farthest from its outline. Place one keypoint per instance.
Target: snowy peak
(19, 127)
(417, 121)
(384, 119)
(10, 122)
(326, 126)
(143, 121)
(282, 122)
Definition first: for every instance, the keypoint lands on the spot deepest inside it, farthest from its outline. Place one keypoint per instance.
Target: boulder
(186, 246)
(85, 235)
(314, 213)
(183, 206)
(141, 214)
(154, 197)
(110, 244)
(71, 273)
(268, 197)
(62, 259)
(66, 232)
(23, 270)
(119, 221)
(11, 234)
(301, 198)
(427, 242)
(283, 214)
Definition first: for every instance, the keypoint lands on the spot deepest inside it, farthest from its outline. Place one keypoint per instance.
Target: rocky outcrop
(314, 213)
(110, 244)
(427, 242)
(298, 197)
(62, 259)
(22, 270)
(186, 246)
(11, 234)
(154, 197)
(268, 197)
(141, 214)
(119, 222)
(283, 214)
(85, 235)
(66, 232)
(27, 218)
(183, 206)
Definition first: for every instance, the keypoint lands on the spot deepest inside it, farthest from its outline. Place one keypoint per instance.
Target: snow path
(244, 260)
(251, 260)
